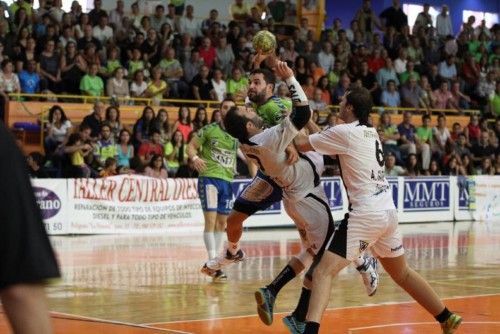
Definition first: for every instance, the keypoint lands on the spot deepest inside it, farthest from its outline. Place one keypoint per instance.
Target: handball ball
(264, 41)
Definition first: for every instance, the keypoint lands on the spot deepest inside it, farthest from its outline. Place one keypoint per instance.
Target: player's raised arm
(301, 112)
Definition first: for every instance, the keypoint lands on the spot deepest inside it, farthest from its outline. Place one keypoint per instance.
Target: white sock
(219, 241)
(360, 261)
(233, 247)
(209, 239)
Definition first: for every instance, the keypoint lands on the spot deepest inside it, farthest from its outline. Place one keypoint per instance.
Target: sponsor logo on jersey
(363, 245)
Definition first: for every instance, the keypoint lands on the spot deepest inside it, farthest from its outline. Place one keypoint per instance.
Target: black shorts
(26, 255)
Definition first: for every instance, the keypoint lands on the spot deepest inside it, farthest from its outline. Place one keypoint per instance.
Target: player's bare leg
(417, 287)
(328, 267)
(26, 307)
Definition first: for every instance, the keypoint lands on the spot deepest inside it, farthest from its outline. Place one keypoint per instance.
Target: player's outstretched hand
(259, 57)
(282, 70)
(199, 165)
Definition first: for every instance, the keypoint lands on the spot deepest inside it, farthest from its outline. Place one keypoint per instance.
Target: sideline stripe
(328, 309)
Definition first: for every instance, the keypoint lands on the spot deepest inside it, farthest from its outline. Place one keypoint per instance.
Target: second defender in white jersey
(372, 221)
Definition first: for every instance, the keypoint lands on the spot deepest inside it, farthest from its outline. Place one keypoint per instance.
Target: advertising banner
(134, 204)
(463, 206)
(139, 204)
(487, 198)
(429, 195)
(52, 198)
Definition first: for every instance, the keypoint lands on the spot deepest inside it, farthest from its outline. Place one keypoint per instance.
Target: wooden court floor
(151, 284)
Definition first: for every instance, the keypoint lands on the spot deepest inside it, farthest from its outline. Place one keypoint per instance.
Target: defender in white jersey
(304, 198)
(372, 220)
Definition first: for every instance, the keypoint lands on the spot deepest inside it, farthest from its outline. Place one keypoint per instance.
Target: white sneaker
(224, 260)
(370, 275)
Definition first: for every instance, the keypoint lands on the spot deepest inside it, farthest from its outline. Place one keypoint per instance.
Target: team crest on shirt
(363, 245)
(214, 142)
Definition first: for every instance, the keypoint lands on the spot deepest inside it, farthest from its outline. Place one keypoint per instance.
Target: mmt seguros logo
(421, 194)
(48, 201)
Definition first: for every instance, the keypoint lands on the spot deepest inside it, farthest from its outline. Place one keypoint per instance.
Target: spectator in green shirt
(91, 84)
(237, 85)
(495, 101)
(423, 137)
(410, 71)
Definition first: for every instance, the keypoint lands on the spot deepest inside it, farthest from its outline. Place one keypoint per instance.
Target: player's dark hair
(236, 125)
(269, 76)
(361, 101)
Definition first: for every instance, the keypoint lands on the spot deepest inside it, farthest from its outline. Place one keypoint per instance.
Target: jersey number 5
(379, 154)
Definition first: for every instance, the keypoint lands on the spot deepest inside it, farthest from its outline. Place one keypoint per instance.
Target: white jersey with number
(361, 162)
(267, 151)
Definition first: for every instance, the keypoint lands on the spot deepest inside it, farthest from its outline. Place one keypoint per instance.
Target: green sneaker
(265, 303)
(451, 325)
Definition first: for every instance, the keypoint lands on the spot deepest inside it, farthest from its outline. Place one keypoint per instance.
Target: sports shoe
(451, 324)
(219, 276)
(223, 260)
(293, 325)
(370, 275)
(265, 302)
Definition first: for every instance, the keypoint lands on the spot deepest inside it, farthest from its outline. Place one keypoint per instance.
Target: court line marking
(115, 322)
(397, 324)
(328, 309)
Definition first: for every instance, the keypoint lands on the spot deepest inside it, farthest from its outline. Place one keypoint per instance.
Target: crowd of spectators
(177, 53)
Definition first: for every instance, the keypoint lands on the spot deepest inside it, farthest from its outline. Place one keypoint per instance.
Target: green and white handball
(264, 41)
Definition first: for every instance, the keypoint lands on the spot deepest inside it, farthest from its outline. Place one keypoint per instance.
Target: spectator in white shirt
(116, 15)
(188, 24)
(219, 85)
(326, 58)
(400, 62)
(102, 31)
(443, 23)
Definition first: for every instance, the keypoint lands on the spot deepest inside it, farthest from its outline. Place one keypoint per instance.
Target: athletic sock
(360, 263)
(209, 239)
(301, 309)
(285, 276)
(311, 328)
(443, 316)
(233, 247)
(219, 240)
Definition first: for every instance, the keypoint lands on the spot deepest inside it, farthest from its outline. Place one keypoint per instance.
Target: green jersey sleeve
(274, 110)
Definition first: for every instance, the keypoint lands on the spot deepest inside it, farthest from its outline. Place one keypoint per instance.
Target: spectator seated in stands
(316, 103)
(124, 150)
(143, 127)
(441, 137)
(390, 97)
(387, 73)
(443, 97)
(237, 85)
(113, 120)
(423, 139)
(91, 84)
(157, 88)
(138, 85)
(410, 72)
(110, 168)
(79, 151)
(202, 88)
(391, 169)
(29, 79)
(105, 147)
(58, 130)
(149, 148)
(156, 168)
(175, 153)
(482, 149)
(36, 169)
(95, 119)
(389, 136)
(117, 86)
(173, 73)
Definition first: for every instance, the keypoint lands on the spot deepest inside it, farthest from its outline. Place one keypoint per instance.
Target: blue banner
(426, 194)
(333, 189)
(463, 193)
(393, 183)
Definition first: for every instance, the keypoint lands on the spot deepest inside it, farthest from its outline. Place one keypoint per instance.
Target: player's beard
(257, 97)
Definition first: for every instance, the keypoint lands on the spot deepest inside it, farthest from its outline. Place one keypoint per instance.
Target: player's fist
(282, 70)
